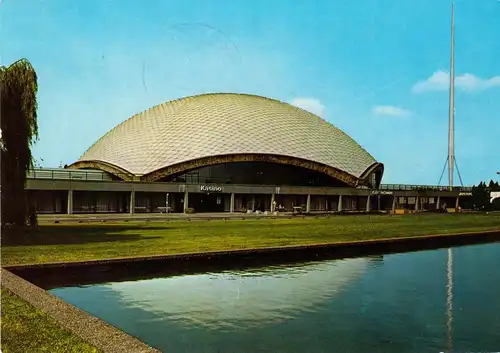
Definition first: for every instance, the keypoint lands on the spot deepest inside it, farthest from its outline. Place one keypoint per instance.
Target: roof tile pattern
(221, 124)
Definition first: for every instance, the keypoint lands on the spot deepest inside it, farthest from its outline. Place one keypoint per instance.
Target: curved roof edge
(185, 166)
(378, 169)
(107, 167)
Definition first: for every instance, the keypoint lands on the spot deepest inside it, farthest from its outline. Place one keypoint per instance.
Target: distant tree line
(481, 197)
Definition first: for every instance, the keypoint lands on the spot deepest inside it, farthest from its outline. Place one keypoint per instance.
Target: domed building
(235, 139)
(219, 153)
(218, 140)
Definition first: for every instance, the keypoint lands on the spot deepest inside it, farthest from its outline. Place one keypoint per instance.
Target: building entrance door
(207, 202)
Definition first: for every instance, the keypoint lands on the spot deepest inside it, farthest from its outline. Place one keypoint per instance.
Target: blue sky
(375, 68)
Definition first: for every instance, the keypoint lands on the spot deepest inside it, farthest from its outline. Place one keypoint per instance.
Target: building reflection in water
(243, 299)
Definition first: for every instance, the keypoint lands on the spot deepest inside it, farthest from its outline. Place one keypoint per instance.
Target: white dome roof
(225, 124)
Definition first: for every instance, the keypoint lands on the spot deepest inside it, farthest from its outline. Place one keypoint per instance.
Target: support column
(231, 204)
(457, 204)
(394, 203)
(339, 208)
(378, 202)
(368, 205)
(186, 200)
(273, 200)
(308, 203)
(132, 202)
(253, 203)
(70, 202)
(438, 203)
(417, 199)
(326, 203)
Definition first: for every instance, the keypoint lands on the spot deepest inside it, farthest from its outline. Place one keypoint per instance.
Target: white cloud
(389, 110)
(440, 81)
(312, 105)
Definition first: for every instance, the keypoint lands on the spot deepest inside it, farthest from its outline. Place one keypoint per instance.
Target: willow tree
(19, 131)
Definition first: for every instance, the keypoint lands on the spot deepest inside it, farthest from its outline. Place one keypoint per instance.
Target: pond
(424, 301)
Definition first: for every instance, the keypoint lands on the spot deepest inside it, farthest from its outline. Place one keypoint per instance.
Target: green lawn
(108, 240)
(27, 329)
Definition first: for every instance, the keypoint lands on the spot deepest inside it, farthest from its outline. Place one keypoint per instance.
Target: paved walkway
(51, 218)
(151, 217)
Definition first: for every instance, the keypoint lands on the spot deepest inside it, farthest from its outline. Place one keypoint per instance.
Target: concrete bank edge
(252, 251)
(93, 330)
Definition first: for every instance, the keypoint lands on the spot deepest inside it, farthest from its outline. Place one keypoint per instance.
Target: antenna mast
(451, 127)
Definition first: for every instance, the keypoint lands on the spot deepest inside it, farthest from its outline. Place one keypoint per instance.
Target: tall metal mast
(450, 159)
(451, 127)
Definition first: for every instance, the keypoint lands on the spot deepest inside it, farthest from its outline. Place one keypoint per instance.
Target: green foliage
(494, 186)
(18, 90)
(480, 197)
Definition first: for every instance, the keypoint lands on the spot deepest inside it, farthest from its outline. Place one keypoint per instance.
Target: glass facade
(255, 173)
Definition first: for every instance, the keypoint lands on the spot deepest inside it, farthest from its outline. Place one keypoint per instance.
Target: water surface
(428, 301)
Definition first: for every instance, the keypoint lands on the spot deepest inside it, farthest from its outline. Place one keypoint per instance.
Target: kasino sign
(210, 188)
